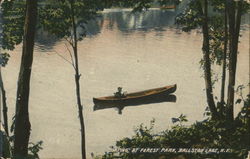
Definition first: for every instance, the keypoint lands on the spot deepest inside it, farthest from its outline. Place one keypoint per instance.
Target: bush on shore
(235, 137)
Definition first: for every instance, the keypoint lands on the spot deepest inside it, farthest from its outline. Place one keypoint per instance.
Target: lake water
(136, 52)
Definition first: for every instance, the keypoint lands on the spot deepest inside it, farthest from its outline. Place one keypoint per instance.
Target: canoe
(168, 7)
(137, 96)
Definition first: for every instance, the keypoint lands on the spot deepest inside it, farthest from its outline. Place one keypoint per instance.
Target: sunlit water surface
(136, 52)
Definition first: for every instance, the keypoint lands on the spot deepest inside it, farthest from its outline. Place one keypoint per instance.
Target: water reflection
(144, 102)
(94, 26)
(45, 41)
(123, 20)
(145, 21)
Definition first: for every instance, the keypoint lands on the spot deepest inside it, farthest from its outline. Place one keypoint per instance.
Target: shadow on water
(121, 105)
(45, 41)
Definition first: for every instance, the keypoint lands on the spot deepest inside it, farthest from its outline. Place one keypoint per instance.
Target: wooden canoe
(137, 96)
(168, 7)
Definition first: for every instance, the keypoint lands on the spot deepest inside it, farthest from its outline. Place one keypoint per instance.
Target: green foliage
(56, 16)
(169, 2)
(4, 58)
(217, 36)
(5, 145)
(13, 13)
(143, 137)
(218, 5)
(191, 18)
(243, 115)
(34, 149)
(204, 134)
(12, 18)
(182, 118)
(216, 39)
(137, 5)
(140, 5)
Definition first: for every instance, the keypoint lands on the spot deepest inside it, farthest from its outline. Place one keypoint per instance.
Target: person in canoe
(119, 93)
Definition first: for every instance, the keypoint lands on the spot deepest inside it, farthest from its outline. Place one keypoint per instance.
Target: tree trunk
(5, 108)
(248, 110)
(77, 82)
(248, 117)
(80, 107)
(22, 123)
(234, 29)
(223, 79)
(207, 63)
